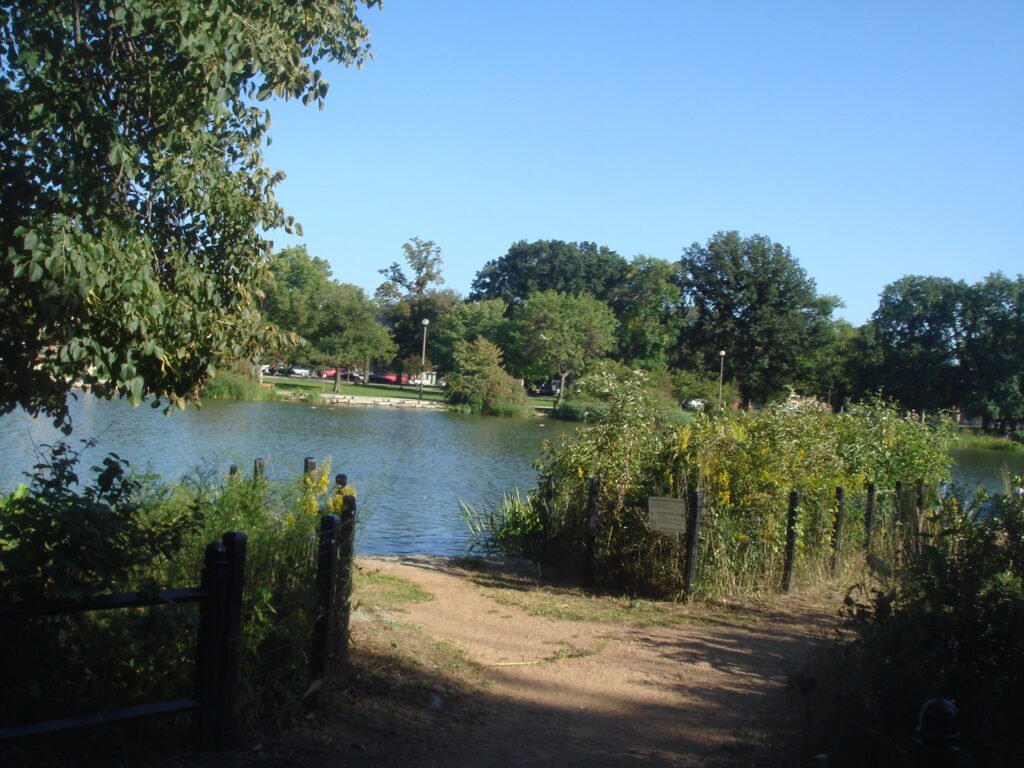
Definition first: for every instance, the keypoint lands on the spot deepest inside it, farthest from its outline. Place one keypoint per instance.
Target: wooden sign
(666, 515)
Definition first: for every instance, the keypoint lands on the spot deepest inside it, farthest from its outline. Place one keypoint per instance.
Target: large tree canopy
(133, 190)
(917, 328)
(754, 301)
(550, 265)
(561, 334)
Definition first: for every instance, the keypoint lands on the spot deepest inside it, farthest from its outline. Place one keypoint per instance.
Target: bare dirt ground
(476, 663)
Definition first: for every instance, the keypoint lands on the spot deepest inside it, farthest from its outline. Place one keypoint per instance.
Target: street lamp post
(423, 355)
(721, 375)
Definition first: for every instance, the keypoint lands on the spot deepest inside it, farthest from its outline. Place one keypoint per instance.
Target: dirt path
(460, 663)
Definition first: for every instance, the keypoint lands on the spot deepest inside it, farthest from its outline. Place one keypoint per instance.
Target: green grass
(379, 590)
(988, 442)
(302, 386)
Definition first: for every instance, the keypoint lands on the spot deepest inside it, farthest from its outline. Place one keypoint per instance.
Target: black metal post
(694, 513)
(326, 580)
(346, 566)
(869, 516)
(235, 546)
(593, 504)
(837, 536)
(210, 646)
(787, 569)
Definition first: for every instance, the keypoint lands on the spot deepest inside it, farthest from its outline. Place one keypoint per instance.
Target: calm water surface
(410, 468)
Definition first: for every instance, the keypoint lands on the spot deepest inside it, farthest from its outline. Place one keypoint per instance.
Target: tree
(478, 380)
(407, 300)
(133, 191)
(349, 332)
(294, 297)
(560, 333)
(647, 308)
(485, 319)
(993, 350)
(752, 299)
(550, 265)
(918, 331)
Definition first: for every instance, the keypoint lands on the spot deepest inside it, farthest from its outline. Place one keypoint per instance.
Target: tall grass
(229, 385)
(744, 465)
(153, 536)
(946, 622)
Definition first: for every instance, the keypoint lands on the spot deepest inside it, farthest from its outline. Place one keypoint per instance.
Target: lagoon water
(410, 468)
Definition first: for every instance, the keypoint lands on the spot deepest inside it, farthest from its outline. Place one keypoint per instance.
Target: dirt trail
(473, 676)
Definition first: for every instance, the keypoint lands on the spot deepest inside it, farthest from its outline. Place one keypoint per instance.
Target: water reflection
(410, 468)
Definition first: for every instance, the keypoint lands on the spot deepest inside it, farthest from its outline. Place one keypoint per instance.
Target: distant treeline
(737, 307)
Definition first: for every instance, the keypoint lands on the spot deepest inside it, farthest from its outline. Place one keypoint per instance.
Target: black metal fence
(268, 624)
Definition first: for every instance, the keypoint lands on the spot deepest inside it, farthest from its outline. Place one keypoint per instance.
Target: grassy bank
(988, 442)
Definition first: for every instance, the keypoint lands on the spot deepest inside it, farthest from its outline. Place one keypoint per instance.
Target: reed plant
(119, 533)
(744, 465)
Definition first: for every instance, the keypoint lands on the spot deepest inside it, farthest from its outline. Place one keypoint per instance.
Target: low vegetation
(115, 532)
(946, 620)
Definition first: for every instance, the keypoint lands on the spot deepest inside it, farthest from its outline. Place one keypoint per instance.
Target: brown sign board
(666, 515)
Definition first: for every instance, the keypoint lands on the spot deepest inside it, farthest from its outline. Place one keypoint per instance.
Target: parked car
(298, 370)
(387, 378)
(694, 404)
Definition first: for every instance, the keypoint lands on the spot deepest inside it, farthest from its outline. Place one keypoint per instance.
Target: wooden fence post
(869, 516)
(326, 580)
(235, 546)
(346, 568)
(787, 569)
(837, 537)
(694, 513)
(593, 502)
(210, 646)
(258, 468)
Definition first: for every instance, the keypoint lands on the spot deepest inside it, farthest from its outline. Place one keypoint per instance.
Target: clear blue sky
(875, 140)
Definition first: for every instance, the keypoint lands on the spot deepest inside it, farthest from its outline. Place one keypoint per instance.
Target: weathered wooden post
(210, 646)
(593, 503)
(326, 581)
(837, 535)
(787, 569)
(340, 481)
(309, 465)
(235, 547)
(233, 470)
(869, 516)
(346, 567)
(547, 509)
(258, 468)
(898, 503)
(694, 513)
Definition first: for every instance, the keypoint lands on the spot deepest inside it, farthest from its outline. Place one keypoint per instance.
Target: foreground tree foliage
(133, 191)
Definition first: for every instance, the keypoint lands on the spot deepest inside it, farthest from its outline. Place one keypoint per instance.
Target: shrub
(949, 624)
(479, 382)
(745, 465)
